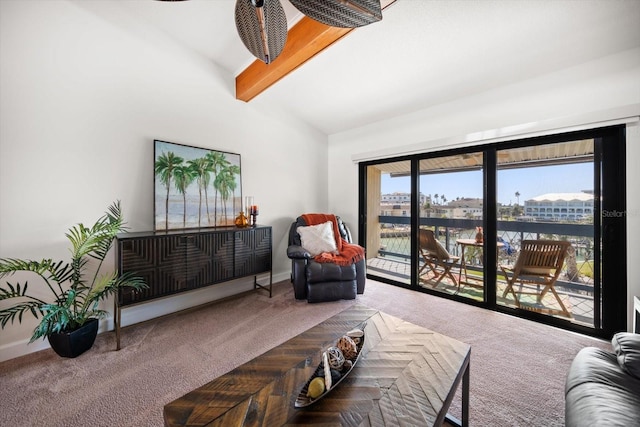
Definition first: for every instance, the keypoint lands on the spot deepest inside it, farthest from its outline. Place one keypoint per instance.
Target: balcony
(575, 285)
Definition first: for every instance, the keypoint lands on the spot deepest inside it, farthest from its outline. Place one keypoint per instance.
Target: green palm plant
(76, 292)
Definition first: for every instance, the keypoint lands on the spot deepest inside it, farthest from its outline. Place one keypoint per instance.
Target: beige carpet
(518, 367)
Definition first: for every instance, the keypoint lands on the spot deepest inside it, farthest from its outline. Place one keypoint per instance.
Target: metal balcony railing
(578, 273)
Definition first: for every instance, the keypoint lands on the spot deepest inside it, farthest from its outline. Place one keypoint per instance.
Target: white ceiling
(423, 53)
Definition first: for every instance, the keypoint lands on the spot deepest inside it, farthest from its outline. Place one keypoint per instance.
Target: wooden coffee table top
(407, 375)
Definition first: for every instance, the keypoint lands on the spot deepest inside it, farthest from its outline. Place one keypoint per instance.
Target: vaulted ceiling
(423, 53)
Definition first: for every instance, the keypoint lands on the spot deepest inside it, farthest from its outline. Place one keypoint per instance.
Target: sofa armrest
(626, 345)
(298, 252)
(598, 392)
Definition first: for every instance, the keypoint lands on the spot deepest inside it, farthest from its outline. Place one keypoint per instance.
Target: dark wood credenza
(171, 262)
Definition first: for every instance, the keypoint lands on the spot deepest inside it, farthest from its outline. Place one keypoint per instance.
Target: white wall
(600, 90)
(82, 101)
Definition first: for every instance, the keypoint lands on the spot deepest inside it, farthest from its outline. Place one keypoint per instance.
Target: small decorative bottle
(479, 235)
(241, 220)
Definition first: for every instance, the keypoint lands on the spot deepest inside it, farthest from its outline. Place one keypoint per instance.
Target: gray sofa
(603, 387)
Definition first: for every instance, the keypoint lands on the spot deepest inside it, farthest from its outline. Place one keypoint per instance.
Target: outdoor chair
(436, 258)
(539, 263)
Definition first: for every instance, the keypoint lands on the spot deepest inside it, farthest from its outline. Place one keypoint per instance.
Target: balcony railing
(576, 280)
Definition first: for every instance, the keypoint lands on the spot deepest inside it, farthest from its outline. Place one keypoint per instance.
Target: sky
(529, 182)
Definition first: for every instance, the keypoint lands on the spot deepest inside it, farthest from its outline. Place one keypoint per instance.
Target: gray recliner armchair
(323, 281)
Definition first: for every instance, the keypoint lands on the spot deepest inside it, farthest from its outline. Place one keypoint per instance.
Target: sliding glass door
(459, 223)
(451, 209)
(546, 192)
(388, 220)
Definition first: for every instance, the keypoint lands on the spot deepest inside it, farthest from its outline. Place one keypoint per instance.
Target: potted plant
(70, 319)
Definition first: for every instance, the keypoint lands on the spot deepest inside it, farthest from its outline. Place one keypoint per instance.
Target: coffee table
(407, 375)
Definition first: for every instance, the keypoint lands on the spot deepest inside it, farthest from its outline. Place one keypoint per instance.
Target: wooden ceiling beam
(304, 41)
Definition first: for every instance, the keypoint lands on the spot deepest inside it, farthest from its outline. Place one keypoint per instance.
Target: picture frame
(195, 187)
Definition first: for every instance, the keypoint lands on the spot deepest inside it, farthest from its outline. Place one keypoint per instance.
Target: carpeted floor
(518, 367)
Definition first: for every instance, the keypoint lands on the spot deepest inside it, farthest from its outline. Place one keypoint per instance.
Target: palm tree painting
(189, 181)
(200, 170)
(165, 167)
(226, 183)
(216, 161)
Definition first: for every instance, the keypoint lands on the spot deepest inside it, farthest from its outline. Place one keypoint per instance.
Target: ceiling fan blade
(341, 13)
(262, 27)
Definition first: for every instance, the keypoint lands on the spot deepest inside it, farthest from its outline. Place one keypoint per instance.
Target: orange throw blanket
(347, 253)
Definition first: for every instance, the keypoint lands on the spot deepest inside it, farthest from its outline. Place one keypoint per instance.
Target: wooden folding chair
(539, 263)
(436, 258)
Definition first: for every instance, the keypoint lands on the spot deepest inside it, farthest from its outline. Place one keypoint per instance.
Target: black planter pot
(74, 343)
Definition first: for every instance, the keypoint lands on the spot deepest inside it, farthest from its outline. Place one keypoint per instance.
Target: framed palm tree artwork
(195, 187)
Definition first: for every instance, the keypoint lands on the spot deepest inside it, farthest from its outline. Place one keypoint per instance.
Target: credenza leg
(116, 321)
(257, 285)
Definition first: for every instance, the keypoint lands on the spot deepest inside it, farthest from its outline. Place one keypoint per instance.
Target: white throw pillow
(317, 239)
